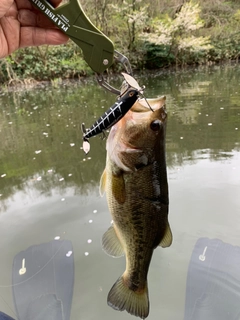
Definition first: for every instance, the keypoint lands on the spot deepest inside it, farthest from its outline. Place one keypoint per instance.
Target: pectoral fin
(167, 239)
(111, 244)
(103, 180)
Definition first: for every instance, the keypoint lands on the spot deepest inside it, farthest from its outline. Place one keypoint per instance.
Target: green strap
(98, 50)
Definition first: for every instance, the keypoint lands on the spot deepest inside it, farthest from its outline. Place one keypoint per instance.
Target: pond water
(49, 188)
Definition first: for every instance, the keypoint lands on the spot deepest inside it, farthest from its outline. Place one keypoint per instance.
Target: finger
(10, 29)
(26, 4)
(55, 3)
(37, 36)
(5, 6)
(29, 18)
(23, 4)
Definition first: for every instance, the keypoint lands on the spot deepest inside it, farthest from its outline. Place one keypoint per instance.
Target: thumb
(5, 6)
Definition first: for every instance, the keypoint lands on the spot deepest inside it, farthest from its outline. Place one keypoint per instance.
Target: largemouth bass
(135, 181)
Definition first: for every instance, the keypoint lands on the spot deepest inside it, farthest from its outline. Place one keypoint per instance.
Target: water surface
(49, 188)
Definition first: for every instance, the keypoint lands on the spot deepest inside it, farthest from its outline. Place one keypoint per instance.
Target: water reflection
(49, 188)
(204, 113)
(40, 129)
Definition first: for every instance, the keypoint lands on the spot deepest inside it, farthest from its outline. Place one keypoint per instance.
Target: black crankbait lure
(115, 113)
(110, 117)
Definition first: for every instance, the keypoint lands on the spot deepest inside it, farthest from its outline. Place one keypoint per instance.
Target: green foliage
(237, 15)
(177, 35)
(133, 16)
(122, 21)
(45, 63)
(158, 56)
(151, 33)
(226, 49)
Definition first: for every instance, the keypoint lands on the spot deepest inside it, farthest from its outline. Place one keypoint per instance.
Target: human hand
(21, 25)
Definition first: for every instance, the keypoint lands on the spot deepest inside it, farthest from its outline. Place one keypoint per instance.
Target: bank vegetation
(153, 34)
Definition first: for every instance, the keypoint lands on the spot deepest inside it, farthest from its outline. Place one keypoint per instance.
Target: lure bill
(116, 112)
(132, 82)
(129, 94)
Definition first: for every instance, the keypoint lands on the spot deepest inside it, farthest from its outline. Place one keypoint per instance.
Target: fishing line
(134, 84)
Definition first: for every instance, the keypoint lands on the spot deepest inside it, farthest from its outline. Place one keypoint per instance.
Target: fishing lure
(130, 93)
(110, 117)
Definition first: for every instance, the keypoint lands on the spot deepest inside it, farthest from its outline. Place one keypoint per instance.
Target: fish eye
(131, 93)
(155, 125)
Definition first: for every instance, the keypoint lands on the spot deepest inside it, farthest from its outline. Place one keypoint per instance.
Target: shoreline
(31, 84)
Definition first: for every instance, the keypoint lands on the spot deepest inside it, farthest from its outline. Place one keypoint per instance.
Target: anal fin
(111, 244)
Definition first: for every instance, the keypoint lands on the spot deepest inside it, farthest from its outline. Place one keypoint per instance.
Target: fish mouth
(154, 103)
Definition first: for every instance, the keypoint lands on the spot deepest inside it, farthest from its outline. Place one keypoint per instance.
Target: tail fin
(122, 298)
